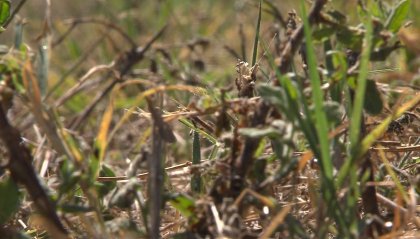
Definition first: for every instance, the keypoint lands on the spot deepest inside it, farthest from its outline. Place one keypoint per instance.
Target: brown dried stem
(21, 170)
(123, 65)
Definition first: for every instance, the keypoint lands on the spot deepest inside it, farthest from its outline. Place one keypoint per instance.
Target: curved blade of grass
(213, 152)
(375, 134)
(321, 125)
(190, 125)
(356, 115)
(149, 92)
(393, 175)
(370, 139)
(257, 37)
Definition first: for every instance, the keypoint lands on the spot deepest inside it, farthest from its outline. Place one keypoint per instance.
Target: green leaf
(184, 204)
(259, 133)
(323, 33)
(373, 101)
(257, 36)
(376, 8)
(357, 108)
(274, 95)
(321, 122)
(398, 15)
(4, 11)
(10, 199)
(69, 177)
(356, 115)
(206, 135)
(196, 181)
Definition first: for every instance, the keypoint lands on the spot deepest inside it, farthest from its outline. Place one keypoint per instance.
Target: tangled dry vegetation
(106, 134)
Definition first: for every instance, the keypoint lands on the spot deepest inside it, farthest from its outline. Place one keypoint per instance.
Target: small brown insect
(245, 82)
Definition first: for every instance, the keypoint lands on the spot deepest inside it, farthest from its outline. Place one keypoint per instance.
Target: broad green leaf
(9, 200)
(274, 95)
(398, 15)
(184, 204)
(4, 11)
(376, 8)
(373, 101)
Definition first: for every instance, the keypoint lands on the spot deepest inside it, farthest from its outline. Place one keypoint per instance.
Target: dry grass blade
(277, 220)
(123, 65)
(148, 93)
(76, 88)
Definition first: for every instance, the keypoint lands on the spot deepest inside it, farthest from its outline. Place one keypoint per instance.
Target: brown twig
(162, 134)
(122, 65)
(276, 13)
(143, 175)
(108, 25)
(297, 36)
(79, 62)
(398, 149)
(232, 52)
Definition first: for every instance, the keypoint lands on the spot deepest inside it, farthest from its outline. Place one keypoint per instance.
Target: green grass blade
(328, 191)
(196, 181)
(257, 37)
(317, 95)
(208, 136)
(356, 115)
